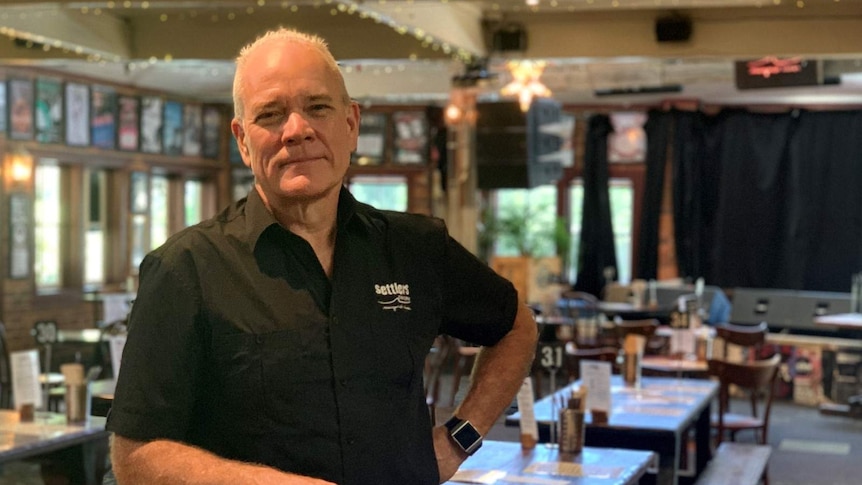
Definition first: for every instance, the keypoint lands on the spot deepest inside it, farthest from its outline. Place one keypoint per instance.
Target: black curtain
(769, 200)
(657, 134)
(596, 251)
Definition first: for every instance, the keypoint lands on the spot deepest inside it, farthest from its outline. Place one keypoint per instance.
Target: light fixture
(19, 164)
(525, 83)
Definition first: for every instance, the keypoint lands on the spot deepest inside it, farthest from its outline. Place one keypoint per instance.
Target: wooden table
(657, 417)
(627, 311)
(847, 321)
(544, 464)
(676, 366)
(77, 451)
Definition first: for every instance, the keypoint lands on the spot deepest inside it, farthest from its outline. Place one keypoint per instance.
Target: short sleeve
(161, 360)
(479, 306)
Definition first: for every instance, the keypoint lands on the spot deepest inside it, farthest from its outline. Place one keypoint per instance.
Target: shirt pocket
(238, 380)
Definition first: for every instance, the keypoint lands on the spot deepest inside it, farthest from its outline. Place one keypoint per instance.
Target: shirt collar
(259, 218)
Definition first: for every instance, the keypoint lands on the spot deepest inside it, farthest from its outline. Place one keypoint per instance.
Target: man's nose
(296, 129)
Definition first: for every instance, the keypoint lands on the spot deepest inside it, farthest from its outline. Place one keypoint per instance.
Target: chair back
(750, 337)
(646, 327)
(573, 357)
(5, 371)
(755, 379)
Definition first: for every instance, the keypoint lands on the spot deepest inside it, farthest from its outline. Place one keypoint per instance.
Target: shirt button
(351, 441)
(334, 320)
(343, 382)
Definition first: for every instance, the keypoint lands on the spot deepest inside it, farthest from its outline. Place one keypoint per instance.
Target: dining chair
(753, 380)
(464, 357)
(645, 327)
(437, 357)
(5, 371)
(751, 338)
(574, 356)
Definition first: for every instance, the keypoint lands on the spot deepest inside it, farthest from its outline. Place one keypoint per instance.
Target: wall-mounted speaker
(673, 29)
(510, 38)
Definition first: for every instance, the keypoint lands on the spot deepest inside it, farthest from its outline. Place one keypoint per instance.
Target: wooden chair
(646, 327)
(465, 356)
(574, 356)
(5, 372)
(751, 338)
(437, 357)
(754, 379)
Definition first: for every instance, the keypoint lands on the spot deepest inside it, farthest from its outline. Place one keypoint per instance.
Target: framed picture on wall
(20, 109)
(211, 131)
(77, 114)
(128, 134)
(371, 145)
(3, 116)
(192, 121)
(172, 128)
(104, 121)
(411, 137)
(49, 111)
(151, 124)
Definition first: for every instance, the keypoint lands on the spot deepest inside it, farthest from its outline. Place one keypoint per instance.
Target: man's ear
(239, 134)
(353, 117)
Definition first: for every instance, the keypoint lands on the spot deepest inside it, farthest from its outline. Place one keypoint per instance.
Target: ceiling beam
(100, 36)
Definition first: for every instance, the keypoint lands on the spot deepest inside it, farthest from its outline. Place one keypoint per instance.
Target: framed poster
(172, 128)
(371, 145)
(211, 131)
(411, 137)
(104, 121)
(49, 111)
(20, 109)
(3, 116)
(77, 114)
(19, 236)
(128, 114)
(192, 127)
(151, 124)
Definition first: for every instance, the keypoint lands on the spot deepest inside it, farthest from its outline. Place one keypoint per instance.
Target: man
(283, 341)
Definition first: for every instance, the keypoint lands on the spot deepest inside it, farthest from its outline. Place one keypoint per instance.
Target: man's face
(296, 133)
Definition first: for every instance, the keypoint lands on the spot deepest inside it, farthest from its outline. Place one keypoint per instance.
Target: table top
(501, 462)
(46, 433)
(103, 389)
(663, 404)
(628, 311)
(672, 364)
(851, 321)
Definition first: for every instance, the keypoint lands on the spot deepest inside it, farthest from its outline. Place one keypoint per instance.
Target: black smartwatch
(464, 434)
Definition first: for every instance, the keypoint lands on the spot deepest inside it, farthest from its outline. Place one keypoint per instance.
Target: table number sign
(25, 378)
(596, 377)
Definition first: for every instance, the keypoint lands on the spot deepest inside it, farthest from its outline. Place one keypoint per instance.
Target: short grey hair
(291, 36)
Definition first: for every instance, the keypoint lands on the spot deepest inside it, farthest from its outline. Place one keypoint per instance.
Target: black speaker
(510, 38)
(673, 29)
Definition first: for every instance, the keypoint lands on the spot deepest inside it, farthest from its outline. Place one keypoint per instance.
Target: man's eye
(266, 116)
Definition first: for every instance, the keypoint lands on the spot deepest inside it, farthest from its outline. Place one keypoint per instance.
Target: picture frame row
(53, 111)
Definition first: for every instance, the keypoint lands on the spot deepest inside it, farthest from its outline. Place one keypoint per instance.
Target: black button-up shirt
(240, 344)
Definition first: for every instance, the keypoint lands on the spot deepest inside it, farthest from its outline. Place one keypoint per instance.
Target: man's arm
(497, 377)
(164, 462)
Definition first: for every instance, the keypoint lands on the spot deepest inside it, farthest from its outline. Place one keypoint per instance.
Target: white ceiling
(409, 51)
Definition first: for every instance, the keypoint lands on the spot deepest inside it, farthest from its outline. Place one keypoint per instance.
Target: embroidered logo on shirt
(396, 296)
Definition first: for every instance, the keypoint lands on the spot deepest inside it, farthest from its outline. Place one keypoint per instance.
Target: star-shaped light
(525, 83)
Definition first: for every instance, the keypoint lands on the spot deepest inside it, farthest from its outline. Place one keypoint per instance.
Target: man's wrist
(466, 437)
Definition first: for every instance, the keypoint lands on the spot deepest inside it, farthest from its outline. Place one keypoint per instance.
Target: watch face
(467, 437)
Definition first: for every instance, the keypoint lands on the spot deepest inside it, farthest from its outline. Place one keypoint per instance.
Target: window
(95, 185)
(48, 206)
(387, 192)
(621, 193)
(159, 210)
(193, 202)
(526, 220)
